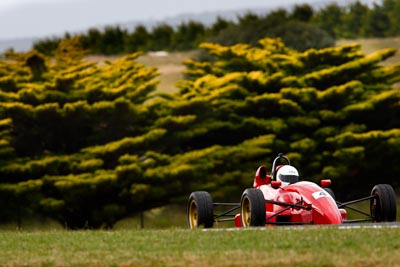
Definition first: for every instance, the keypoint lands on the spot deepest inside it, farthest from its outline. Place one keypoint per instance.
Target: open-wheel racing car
(281, 199)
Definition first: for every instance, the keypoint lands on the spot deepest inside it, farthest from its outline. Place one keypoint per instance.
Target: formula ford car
(281, 199)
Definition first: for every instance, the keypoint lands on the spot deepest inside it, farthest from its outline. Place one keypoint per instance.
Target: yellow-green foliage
(322, 105)
(81, 142)
(126, 144)
(69, 52)
(64, 123)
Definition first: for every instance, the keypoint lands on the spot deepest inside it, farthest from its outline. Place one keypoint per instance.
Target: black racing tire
(252, 208)
(330, 192)
(200, 210)
(383, 206)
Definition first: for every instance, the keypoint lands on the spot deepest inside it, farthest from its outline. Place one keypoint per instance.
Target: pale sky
(42, 18)
(4, 4)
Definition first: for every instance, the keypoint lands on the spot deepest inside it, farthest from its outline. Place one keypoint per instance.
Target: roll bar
(280, 156)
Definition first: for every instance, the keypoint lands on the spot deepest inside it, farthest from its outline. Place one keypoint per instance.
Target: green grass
(170, 216)
(166, 217)
(309, 246)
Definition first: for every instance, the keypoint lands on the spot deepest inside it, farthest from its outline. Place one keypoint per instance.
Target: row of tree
(302, 28)
(88, 144)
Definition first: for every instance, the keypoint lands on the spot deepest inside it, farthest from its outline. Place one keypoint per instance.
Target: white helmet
(287, 175)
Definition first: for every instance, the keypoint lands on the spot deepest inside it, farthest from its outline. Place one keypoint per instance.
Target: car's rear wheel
(200, 210)
(252, 208)
(383, 206)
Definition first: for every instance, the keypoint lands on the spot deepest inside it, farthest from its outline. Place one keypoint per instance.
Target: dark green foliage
(188, 36)
(64, 127)
(358, 20)
(378, 22)
(163, 37)
(89, 144)
(301, 28)
(310, 102)
(219, 25)
(294, 30)
(329, 18)
(138, 40)
(113, 41)
(302, 36)
(302, 13)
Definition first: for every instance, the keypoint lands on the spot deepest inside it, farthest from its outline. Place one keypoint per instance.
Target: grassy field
(170, 67)
(309, 246)
(373, 44)
(166, 217)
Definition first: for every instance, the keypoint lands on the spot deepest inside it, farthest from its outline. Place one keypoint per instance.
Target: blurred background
(112, 112)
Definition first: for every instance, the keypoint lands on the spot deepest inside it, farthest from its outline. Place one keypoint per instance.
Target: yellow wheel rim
(246, 212)
(192, 214)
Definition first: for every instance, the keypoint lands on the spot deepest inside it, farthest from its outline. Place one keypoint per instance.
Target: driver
(287, 174)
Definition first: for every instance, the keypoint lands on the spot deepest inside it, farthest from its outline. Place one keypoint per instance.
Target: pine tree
(333, 111)
(88, 144)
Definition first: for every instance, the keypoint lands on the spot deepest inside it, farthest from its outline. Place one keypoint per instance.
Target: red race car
(281, 199)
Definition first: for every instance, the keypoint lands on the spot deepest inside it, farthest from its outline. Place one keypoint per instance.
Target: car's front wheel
(383, 204)
(252, 208)
(200, 210)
